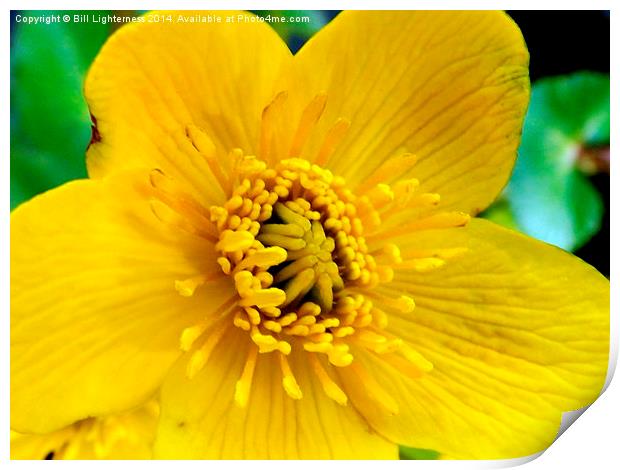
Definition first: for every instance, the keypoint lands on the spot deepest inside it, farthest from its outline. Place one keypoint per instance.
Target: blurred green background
(559, 191)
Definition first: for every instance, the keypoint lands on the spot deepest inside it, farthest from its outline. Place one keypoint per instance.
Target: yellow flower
(281, 247)
(127, 435)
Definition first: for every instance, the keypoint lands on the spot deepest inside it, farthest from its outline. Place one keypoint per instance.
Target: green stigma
(309, 272)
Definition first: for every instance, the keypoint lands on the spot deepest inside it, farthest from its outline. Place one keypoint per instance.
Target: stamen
(309, 118)
(404, 366)
(380, 195)
(242, 388)
(173, 195)
(389, 170)
(266, 133)
(333, 138)
(200, 357)
(191, 334)
(330, 388)
(263, 258)
(374, 390)
(205, 146)
(404, 190)
(170, 217)
(436, 221)
(188, 286)
(288, 380)
(416, 359)
(411, 206)
(268, 343)
(271, 297)
(234, 241)
(391, 252)
(339, 355)
(403, 303)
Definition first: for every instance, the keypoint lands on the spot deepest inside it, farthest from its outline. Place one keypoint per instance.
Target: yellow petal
(95, 316)
(153, 79)
(38, 446)
(200, 418)
(449, 87)
(517, 332)
(123, 436)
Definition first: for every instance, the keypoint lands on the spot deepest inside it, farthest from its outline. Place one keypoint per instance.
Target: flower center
(309, 272)
(310, 257)
(291, 239)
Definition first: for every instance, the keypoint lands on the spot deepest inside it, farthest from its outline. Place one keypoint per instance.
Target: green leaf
(50, 122)
(411, 453)
(501, 214)
(549, 198)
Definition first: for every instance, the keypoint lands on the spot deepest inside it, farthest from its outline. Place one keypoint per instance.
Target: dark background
(561, 42)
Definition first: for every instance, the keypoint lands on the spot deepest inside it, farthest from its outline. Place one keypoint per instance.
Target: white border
(593, 442)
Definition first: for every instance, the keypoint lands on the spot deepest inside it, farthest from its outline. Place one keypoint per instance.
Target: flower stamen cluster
(306, 255)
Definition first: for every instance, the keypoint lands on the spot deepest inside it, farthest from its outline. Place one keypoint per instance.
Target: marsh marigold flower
(127, 435)
(282, 248)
